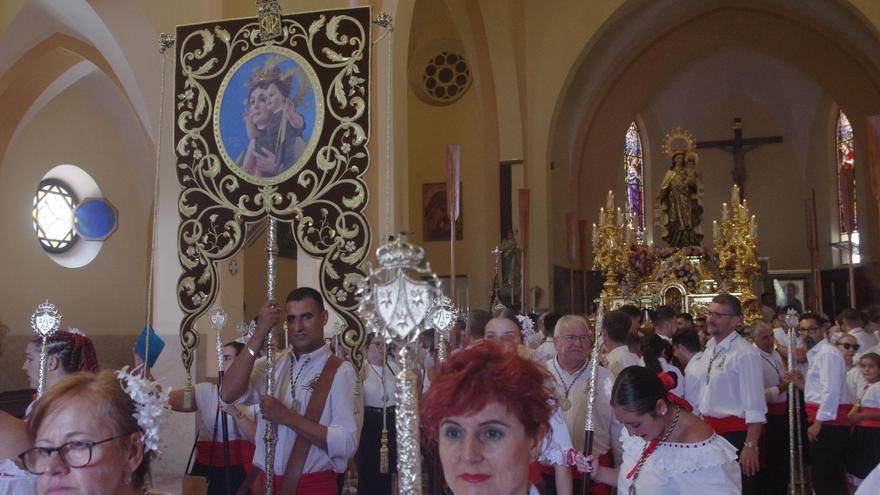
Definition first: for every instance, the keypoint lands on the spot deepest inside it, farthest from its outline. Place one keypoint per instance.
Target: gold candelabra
(736, 242)
(611, 239)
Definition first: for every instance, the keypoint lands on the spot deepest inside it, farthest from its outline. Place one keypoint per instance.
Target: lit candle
(725, 214)
(610, 202)
(595, 235)
(601, 217)
(734, 195)
(715, 229)
(627, 235)
(753, 226)
(619, 217)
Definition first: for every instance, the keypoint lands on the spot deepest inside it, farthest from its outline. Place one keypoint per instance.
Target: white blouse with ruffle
(708, 467)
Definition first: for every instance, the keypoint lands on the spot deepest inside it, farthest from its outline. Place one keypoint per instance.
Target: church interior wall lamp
(273, 129)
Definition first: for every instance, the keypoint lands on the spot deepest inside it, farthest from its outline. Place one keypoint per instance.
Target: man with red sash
(571, 370)
(775, 441)
(732, 400)
(309, 452)
(828, 401)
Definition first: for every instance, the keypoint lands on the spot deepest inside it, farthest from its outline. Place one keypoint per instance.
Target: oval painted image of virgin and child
(268, 115)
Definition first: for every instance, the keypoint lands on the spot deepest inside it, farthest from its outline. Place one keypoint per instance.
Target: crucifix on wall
(739, 146)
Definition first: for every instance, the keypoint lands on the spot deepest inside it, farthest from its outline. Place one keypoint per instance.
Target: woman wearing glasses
(86, 439)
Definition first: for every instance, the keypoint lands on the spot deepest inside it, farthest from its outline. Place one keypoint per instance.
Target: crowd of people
(680, 405)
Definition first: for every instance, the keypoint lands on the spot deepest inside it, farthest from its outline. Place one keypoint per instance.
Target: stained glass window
(846, 185)
(634, 178)
(53, 216)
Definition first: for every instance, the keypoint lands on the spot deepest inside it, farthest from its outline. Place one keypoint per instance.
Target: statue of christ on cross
(739, 146)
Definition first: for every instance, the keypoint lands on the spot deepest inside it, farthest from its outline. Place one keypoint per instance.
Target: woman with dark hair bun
(666, 449)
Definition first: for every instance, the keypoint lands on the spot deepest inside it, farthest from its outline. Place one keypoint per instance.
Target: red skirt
(320, 483)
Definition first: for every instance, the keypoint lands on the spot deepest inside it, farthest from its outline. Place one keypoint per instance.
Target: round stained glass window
(53, 216)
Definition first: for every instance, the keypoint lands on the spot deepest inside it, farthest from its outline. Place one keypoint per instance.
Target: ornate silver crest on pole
(45, 321)
(396, 300)
(218, 322)
(442, 318)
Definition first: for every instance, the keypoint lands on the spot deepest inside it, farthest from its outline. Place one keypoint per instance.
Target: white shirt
(825, 383)
(694, 379)
(734, 384)
(869, 395)
(865, 339)
(207, 399)
(578, 386)
(619, 359)
(855, 381)
(871, 484)
(373, 391)
(772, 371)
(338, 415)
(547, 350)
(557, 441)
(781, 337)
(706, 468)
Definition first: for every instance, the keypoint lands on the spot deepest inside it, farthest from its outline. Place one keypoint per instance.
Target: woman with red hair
(666, 449)
(488, 412)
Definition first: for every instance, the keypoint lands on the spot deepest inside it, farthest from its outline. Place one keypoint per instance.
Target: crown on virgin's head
(268, 74)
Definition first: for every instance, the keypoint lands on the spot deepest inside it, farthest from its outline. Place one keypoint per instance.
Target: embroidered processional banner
(273, 129)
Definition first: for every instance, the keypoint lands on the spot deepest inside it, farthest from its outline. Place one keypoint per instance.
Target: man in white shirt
(332, 440)
(828, 401)
(686, 347)
(852, 320)
(616, 335)
(733, 397)
(776, 380)
(571, 370)
(547, 325)
(664, 323)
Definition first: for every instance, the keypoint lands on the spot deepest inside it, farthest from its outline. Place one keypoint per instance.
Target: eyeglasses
(74, 454)
(807, 329)
(571, 339)
(848, 346)
(713, 314)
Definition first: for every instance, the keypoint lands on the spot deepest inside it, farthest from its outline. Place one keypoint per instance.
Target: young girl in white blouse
(864, 452)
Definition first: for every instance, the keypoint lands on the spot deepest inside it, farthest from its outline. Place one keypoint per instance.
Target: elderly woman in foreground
(488, 413)
(87, 439)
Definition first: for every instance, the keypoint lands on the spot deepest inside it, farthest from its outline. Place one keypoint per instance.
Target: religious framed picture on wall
(790, 290)
(435, 217)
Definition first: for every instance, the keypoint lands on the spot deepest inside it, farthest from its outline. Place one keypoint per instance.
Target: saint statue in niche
(680, 198)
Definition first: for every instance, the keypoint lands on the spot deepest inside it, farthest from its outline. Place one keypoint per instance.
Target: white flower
(527, 325)
(350, 246)
(345, 148)
(150, 402)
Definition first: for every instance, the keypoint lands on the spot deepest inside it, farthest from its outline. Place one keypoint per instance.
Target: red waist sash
(320, 483)
(777, 408)
(240, 452)
(726, 424)
(869, 423)
(841, 420)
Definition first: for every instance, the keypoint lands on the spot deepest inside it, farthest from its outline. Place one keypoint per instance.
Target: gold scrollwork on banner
(276, 129)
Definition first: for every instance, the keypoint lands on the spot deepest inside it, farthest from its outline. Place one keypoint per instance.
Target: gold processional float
(685, 277)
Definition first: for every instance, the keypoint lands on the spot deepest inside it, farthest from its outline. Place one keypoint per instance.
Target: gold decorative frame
(323, 194)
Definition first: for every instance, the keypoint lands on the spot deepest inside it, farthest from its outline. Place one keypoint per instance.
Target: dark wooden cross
(739, 146)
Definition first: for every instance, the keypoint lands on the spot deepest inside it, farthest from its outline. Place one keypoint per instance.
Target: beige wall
(529, 101)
